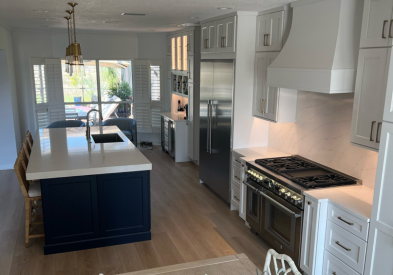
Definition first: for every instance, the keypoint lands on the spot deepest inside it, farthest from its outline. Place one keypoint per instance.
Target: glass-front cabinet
(185, 51)
(180, 48)
(173, 54)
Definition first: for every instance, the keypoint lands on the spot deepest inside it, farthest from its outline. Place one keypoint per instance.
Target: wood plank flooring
(189, 223)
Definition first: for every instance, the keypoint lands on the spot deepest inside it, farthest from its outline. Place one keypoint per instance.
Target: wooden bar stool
(32, 193)
(29, 139)
(26, 148)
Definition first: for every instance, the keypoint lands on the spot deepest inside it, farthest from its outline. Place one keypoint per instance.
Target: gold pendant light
(74, 58)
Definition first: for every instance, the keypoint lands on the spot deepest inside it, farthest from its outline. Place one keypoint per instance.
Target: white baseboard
(6, 166)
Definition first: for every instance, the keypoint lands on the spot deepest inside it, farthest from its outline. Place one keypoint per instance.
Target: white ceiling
(90, 14)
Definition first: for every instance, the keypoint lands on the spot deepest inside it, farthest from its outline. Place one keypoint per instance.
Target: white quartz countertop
(65, 152)
(174, 116)
(357, 198)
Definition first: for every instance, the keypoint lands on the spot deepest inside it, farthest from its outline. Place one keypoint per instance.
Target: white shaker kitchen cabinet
(190, 41)
(260, 74)
(225, 35)
(313, 236)
(380, 242)
(169, 66)
(388, 110)
(190, 69)
(262, 30)
(190, 122)
(369, 97)
(208, 34)
(271, 103)
(377, 29)
(270, 28)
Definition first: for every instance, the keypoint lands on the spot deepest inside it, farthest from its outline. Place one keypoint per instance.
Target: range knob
(287, 195)
(282, 190)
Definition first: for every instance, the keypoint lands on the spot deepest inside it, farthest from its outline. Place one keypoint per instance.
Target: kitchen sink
(106, 138)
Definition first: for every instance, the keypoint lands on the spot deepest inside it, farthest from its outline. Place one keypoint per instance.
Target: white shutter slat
(156, 119)
(54, 85)
(141, 81)
(143, 118)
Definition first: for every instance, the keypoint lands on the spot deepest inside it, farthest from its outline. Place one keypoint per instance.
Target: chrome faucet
(88, 125)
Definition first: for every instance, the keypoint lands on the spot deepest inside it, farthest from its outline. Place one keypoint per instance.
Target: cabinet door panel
(70, 209)
(380, 248)
(220, 34)
(179, 53)
(388, 110)
(190, 140)
(173, 53)
(229, 40)
(168, 45)
(259, 83)
(262, 30)
(204, 37)
(124, 203)
(190, 39)
(211, 39)
(190, 69)
(190, 101)
(271, 96)
(310, 223)
(169, 66)
(369, 96)
(376, 23)
(274, 38)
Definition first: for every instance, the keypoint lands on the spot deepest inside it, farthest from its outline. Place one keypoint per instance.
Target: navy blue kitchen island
(95, 196)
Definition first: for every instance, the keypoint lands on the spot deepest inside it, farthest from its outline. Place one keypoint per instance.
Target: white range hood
(322, 49)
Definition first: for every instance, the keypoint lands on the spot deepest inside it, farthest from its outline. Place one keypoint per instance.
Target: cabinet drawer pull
(309, 203)
(347, 249)
(236, 198)
(390, 29)
(347, 222)
(188, 48)
(224, 42)
(383, 29)
(372, 127)
(267, 39)
(237, 178)
(334, 273)
(264, 40)
(378, 135)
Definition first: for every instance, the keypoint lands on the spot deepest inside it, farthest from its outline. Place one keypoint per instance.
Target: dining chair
(26, 148)
(272, 255)
(32, 193)
(29, 139)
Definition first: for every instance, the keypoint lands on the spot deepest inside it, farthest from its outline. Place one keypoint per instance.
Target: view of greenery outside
(115, 84)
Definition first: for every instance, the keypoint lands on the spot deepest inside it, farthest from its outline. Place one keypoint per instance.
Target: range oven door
(253, 206)
(281, 225)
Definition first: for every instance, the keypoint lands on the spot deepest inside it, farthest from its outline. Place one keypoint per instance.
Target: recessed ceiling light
(194, 17)
(111, 22)
(224, 8)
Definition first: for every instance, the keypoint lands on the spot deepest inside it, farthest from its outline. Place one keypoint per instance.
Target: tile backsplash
(322, 133)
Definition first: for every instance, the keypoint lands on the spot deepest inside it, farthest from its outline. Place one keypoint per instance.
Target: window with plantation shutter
(54, 87)
(142, 115)
(141, 81)
(40, 93)
(156, 119)
(39, 82)
(155, 80)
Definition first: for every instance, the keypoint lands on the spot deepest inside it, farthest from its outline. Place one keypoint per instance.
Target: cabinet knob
(309, 203)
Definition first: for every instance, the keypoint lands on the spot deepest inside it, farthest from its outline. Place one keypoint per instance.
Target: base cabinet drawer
(236, 174)
(348, 221)
(235, 196)
(345, 246)
(332, 265)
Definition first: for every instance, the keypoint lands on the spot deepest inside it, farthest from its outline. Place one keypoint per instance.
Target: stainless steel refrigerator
(216, 96)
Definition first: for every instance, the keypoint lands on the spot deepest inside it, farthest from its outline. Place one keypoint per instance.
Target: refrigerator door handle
(208, 126)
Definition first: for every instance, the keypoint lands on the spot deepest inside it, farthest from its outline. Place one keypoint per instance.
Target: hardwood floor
(189, 223)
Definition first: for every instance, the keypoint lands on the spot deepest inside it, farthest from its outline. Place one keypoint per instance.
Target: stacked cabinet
(372, 73)
(271, 103)
(183, 55)
(377, 31)
(219, 36)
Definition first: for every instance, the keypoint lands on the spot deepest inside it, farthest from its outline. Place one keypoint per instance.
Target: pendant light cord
(73, 13)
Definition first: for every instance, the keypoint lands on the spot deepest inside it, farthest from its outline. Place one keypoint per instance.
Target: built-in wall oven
(271, 212)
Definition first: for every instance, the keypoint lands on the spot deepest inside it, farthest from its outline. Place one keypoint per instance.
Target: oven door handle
(252, 187)
(280, 205)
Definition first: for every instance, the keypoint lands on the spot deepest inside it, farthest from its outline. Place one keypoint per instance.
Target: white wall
(322, 133)
(10, 131)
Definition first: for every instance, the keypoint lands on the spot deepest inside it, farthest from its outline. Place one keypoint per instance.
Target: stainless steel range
(275, 198)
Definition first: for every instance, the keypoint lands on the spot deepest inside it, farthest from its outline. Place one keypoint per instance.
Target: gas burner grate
(323, 180)
(286, 164)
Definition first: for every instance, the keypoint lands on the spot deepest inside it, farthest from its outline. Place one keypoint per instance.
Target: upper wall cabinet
(168, 45)
(369, 99)
(377, 25)
(270, 28)
(271, 103)
(219, 36)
